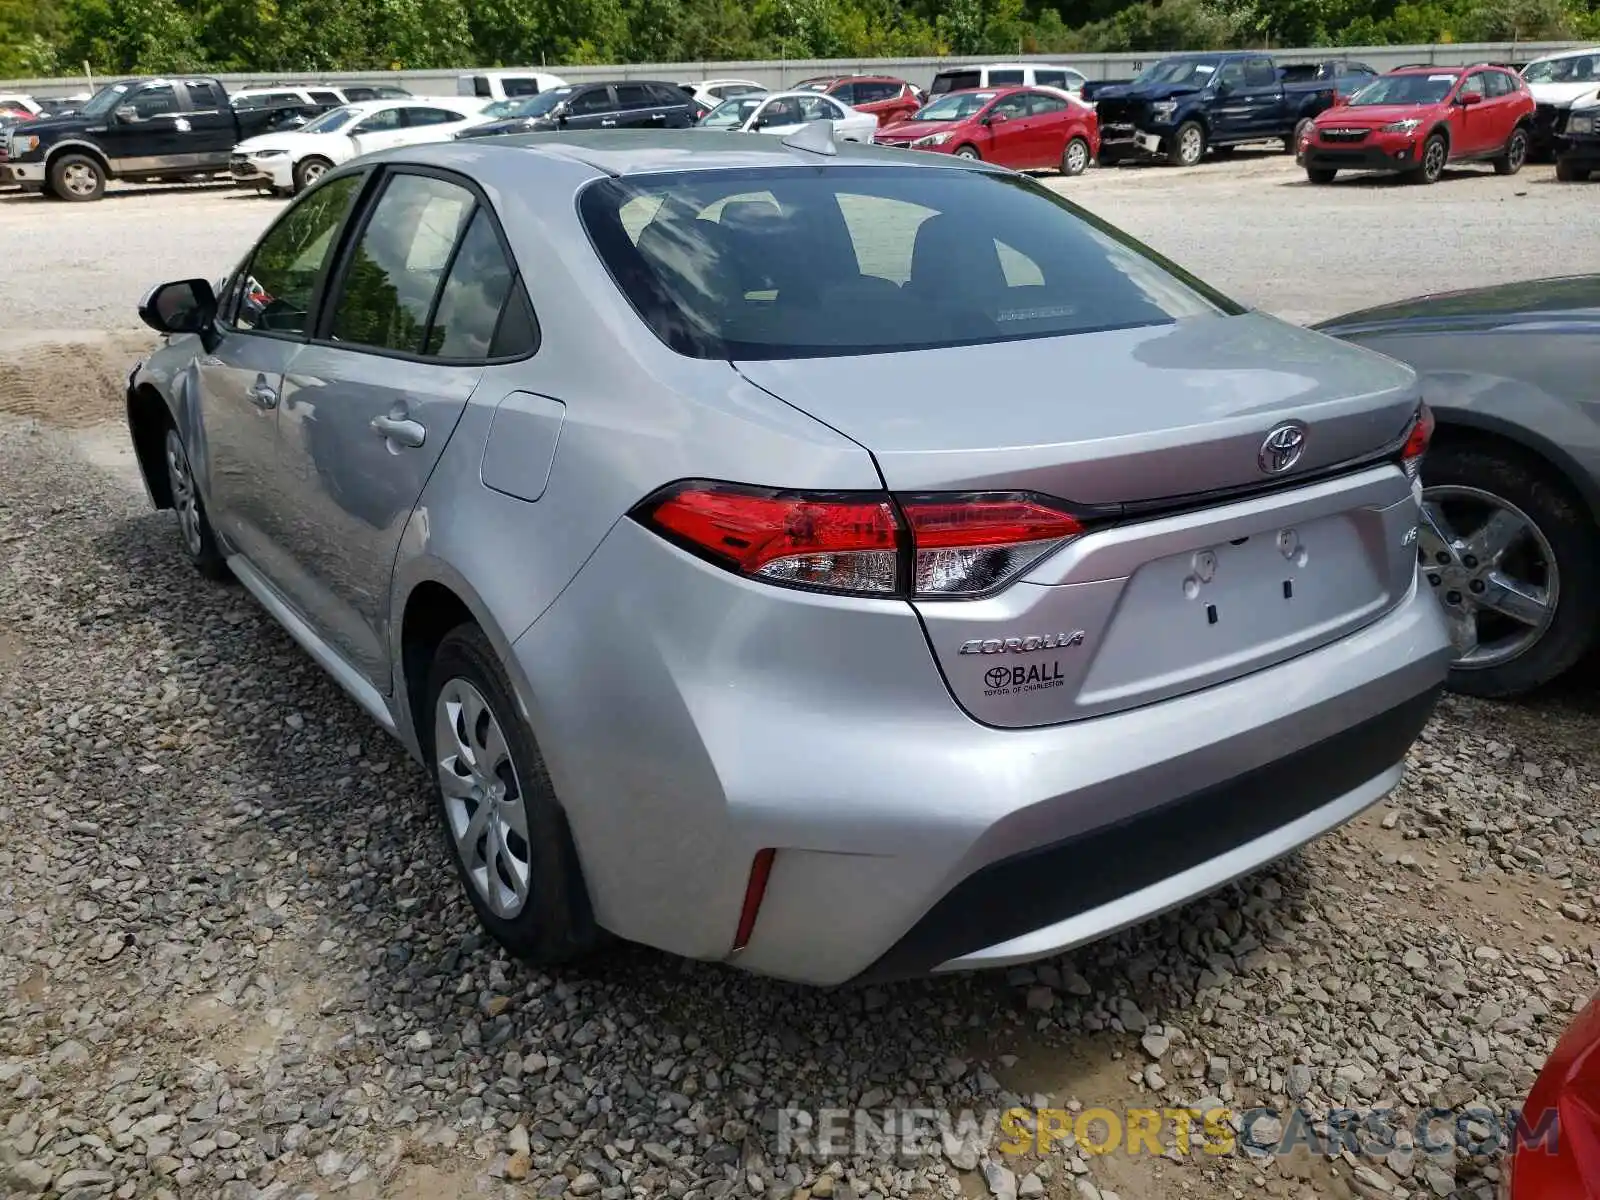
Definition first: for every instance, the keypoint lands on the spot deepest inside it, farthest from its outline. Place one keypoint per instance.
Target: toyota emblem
(1282, 448)
(997, 676)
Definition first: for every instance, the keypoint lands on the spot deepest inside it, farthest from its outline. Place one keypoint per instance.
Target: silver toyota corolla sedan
(845, 563)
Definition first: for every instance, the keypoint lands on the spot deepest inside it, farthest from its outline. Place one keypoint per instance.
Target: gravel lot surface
(234, 961)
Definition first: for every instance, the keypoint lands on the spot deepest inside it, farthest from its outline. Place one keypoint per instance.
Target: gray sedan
(839, 562)
(1511, 543)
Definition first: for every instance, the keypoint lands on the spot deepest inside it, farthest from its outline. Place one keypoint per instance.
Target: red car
(1557, 1150)
(885, 97)
(1417, 119)
(1024, 128)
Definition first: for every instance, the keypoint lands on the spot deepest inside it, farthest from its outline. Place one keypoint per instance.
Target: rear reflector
(865, 544)
(1417, 442)
(754, 892)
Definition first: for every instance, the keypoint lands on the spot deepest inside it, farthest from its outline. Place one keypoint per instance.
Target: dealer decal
(1015, 681)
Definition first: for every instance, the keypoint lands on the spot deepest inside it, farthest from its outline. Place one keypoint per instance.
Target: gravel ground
(234, 962)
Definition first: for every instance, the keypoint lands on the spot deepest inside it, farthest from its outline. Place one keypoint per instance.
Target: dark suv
(626, 104)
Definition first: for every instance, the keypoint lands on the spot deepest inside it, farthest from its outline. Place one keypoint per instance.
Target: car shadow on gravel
(334, 816)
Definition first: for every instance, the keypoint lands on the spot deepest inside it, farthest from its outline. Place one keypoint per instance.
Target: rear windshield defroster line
(804, 262)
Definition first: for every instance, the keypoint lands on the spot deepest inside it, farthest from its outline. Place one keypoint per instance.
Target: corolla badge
(1023, 645)
(1282, 448)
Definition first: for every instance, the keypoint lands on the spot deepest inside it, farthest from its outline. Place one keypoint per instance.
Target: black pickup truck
(144, 130)
(1178, 107)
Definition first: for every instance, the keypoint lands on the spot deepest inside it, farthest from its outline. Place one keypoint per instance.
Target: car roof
(503, 161)
(1591, 50)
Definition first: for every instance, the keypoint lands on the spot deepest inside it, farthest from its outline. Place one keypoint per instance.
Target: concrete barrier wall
(919, 71)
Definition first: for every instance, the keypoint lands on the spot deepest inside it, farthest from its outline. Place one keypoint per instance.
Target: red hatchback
(885, 97)
(1028, 129)
(1418, 119)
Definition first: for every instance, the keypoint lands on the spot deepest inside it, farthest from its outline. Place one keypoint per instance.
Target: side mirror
(187, 306)
(127, 114)
(1467, 98)
(1223, 87)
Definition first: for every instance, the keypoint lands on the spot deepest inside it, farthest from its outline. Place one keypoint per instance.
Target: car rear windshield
(1404, 89)
(795, 262)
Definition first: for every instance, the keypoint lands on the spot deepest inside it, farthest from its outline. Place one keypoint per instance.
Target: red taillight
(754, 892)
(969, 544)
(960, 545)
(1417, 442)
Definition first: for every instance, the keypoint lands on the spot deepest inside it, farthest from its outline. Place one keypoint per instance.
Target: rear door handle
(658, 116)
(400, 431)
(262, 395)
(607, 123)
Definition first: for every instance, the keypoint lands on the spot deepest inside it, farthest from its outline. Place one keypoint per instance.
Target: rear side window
(480, 87)
(204, 97)
(661, 94)
(1051, 78)
(324, 98)
(389, 284)
(155, 101)
(849, 93)
(1002, 78)
(474, 294)
(794, 263)
(1039, 103)
(518, 85)
(431, 116)
(955, 81)
(633, 95)
(593, 101)
(277, 286)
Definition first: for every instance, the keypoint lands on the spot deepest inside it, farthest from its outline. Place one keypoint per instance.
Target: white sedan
(786, 112)
(294, 159)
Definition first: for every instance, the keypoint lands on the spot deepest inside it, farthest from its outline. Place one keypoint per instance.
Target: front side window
(818, 108)
(1259, 72)
(330, 122)
(520, 86)
(595, 100)
(324, 97)
(794, 262)
(1006, 78)
(388, 287)
(731, 114)
(277, 287)
(955, 81)
(1050, 78)
(203, 97)
(1473, 86)
(954, 108)
(155, 102)
(1010, 108)
(381, 121)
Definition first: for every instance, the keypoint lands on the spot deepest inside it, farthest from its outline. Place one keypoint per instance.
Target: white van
(962, 79)
(506, 85)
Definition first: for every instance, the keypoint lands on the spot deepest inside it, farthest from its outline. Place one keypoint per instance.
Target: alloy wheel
(1517, 152)
(184, 500)
(312, 172)
(482, 797)
(1433, 159)
(79, 179)
(1190, 146)
(1493, 571)
(1077, 158)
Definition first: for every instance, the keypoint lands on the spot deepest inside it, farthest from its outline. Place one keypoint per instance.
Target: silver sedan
(835, 561)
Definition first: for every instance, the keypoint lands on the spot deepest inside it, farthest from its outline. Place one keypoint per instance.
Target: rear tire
(517, 860)
(1515, 154)
(77, 177)
(1188, 145)
(1435, 154)
(1569, 172)
(1075, 158)
(1321, 175)
(1557, 514)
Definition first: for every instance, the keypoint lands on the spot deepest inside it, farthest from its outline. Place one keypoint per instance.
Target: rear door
(428, 124)
(636, 108)
(1262, 96)
(369, 405)
(1505, 105)
(671, 107)
(212, 126)
(1051, 118)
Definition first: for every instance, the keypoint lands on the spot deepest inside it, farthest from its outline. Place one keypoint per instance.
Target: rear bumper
(1363, 157)
(691, 719)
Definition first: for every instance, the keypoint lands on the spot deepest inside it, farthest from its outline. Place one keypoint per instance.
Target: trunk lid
(1104, 418)
(1197, 576)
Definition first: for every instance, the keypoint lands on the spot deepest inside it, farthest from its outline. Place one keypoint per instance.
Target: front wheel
(1292, 143)
(308, 170)
(1188, 145)
(1320, 175)
(1568, 171)
(77, 177)
(199, 540)
(506, 830)
(968, 152)
(1435, 153)
(1075, 158)
(1515, 153)
(1514, 559)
